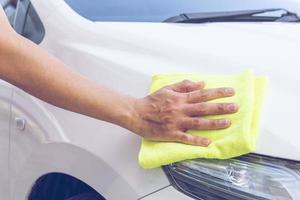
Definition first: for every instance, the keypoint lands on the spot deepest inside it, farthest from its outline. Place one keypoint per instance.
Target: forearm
(164, 115)
(32, 69)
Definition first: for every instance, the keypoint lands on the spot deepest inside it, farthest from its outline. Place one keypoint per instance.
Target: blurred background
(9, 6)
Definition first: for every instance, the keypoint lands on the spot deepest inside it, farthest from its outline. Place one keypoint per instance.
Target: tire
(87, 196)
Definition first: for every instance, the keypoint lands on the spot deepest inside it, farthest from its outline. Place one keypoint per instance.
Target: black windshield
(159, 10)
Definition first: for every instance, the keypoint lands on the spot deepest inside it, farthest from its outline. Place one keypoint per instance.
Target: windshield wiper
(235, 16)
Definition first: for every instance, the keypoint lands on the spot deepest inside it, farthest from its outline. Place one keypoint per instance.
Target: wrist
(129, 118)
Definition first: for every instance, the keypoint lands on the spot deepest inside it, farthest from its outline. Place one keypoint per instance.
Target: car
(49, 153)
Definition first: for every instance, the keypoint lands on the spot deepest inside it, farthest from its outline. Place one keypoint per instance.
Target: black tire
(87, 196)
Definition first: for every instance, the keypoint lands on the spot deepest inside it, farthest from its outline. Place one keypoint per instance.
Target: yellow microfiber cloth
(240, 138)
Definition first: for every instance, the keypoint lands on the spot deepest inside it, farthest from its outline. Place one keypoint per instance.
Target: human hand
(168, 113)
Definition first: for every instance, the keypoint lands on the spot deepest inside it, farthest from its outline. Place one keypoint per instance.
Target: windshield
(159, 10)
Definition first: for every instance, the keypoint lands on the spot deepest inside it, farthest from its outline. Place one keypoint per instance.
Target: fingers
(202, 109)
(191, 139)
(204, 124)
(209, 94)
(186, 86)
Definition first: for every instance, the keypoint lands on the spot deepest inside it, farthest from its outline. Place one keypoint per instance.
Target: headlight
(247, 177)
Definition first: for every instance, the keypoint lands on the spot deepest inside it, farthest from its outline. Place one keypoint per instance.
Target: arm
(164, 115)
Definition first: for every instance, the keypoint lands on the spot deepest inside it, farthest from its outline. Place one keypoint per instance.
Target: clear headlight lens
(247, 177)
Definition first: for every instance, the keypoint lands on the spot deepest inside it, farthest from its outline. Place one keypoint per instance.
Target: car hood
(135, 52)
(125, 56)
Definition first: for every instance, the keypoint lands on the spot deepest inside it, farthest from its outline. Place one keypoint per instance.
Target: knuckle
(186, 82)
(202, 108)
(221, 107)
(167, 120)
(213, 123)
(198, 140)
(204, 95)
(194, 140)
(220, 123)
(221, 92)
(183, 137)
(183, 123)
(195, 123)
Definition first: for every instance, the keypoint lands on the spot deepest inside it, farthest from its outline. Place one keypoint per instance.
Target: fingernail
(232, 107)
(206, 141)
(224, 122)
(229, 90)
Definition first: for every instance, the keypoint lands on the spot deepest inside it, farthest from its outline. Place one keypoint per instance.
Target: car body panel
(124, 56)
(167, 193)
(48, 144)
(5, 98)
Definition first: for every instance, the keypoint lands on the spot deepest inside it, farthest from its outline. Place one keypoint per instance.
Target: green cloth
(240, 138)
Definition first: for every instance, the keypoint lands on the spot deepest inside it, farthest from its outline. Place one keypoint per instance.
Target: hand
(168, 113)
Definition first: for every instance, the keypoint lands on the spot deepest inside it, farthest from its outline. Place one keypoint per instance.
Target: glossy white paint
(167, 193)
(5, 98)
(125, 56)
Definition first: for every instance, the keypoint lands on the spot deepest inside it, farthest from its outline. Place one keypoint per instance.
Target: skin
(165, 115)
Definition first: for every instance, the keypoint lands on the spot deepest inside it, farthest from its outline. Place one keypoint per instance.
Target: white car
(45, 151)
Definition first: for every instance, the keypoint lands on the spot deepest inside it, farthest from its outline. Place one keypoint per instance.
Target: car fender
(41, 147)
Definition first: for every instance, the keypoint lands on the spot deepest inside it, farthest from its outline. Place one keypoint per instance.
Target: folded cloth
(240, 138)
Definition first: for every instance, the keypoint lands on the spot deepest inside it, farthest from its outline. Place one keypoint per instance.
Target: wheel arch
(55, 185)
(74, 161)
